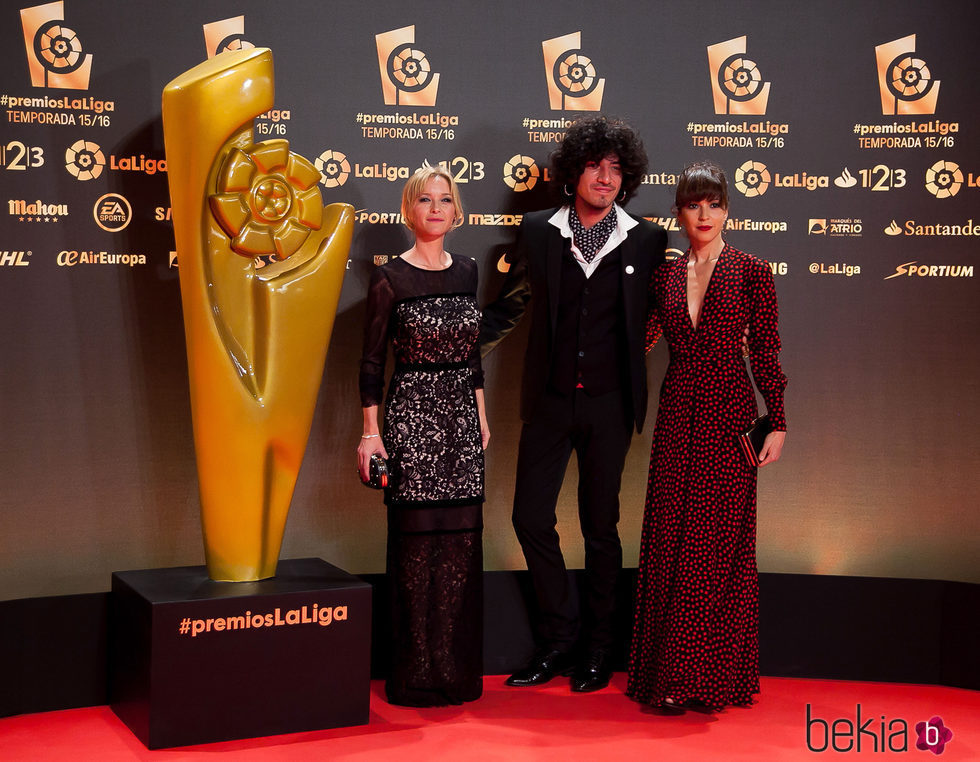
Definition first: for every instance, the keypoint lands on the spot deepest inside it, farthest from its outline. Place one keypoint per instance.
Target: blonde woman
(435, 430)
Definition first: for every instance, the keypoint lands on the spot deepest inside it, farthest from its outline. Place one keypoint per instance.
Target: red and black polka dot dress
(696, 633)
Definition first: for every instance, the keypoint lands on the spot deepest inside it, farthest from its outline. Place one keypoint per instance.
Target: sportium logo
(521, 173)
(907, 86)
(228, 34)
(407, 78)
(84, 160)
(573, 84)
(55, 55)
(334, 168)
(736, 81)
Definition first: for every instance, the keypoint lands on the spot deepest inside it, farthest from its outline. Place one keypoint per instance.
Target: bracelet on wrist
(369, 436)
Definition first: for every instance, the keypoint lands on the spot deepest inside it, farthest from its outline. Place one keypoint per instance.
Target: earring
(567, 191)
(622, 197)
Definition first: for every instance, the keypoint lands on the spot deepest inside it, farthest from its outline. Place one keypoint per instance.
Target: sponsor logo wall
(853, 157)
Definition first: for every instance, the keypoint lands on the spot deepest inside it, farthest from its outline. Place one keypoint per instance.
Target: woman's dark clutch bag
(378, 472)
(753, 439)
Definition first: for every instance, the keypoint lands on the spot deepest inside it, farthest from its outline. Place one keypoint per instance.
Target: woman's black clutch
(753, 439)
(378, 472)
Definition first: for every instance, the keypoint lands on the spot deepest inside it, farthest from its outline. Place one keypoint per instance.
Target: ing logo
(752, 179)
(334, 168)
(736, 81)
(55, 55)
(904, 79)
(521, 173)
(573, 84)
(228, 34)
(407, 78)
(84, 160)
(944, 179)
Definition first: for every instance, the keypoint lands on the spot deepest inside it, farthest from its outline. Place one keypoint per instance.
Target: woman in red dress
(695, 635)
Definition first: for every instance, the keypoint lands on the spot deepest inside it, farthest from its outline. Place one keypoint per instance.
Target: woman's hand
(772, 448)
(365, 449)
(370, 443)
(481, 409)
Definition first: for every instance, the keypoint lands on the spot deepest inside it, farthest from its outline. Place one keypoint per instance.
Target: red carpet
(551, 723)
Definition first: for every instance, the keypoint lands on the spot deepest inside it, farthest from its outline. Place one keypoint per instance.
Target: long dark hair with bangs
(701, 180)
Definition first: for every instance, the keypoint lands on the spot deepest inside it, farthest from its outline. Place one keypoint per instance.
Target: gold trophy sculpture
(257, 333)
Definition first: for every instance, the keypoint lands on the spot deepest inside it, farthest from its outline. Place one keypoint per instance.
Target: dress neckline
(452, 264)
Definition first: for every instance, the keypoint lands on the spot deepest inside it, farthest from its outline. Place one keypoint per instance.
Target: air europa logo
(55, 55)
(228, 34)
(737, 86)
(905, 82)
(573, 83)
(407, 78)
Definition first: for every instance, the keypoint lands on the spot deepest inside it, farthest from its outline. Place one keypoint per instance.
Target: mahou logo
(55, 55)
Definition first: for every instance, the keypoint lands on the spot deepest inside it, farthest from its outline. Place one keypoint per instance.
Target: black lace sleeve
(476, 364)
(380, 299)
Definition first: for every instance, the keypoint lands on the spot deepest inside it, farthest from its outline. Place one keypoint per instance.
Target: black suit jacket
(534, 275)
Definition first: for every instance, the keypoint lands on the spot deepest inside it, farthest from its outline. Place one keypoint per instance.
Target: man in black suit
(585, 268)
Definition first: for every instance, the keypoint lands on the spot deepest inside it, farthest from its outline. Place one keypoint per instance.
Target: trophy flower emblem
(267, 200)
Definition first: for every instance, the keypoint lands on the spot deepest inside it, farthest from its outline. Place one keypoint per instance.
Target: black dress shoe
(542, 667)
(593, 672)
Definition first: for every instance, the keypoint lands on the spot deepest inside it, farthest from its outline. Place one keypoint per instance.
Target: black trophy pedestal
(195, 661)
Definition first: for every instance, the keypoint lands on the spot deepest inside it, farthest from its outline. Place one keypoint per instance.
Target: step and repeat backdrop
(849, 135)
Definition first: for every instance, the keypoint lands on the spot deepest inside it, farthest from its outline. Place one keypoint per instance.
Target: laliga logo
(54, 52)
(943, 179)
(571, 75)
(904, 81)
(84, 160)
(333, 167)
(736, 83)
(228, 34)
(752, 179)
(406, 74)
(521, 173)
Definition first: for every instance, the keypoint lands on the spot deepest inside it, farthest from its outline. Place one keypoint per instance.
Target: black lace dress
(431, 432)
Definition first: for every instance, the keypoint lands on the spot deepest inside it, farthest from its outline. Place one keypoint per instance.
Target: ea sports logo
(752, 179)
(112, 212)
(521, 173)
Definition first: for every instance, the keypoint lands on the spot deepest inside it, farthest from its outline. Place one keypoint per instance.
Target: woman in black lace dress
(435, 431)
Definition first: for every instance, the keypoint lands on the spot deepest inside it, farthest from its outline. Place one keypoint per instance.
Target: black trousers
(598, 429)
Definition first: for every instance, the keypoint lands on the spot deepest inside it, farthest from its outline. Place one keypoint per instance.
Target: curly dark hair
(592, 138)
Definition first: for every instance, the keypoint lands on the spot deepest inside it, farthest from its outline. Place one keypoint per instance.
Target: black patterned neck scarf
(590, 241)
